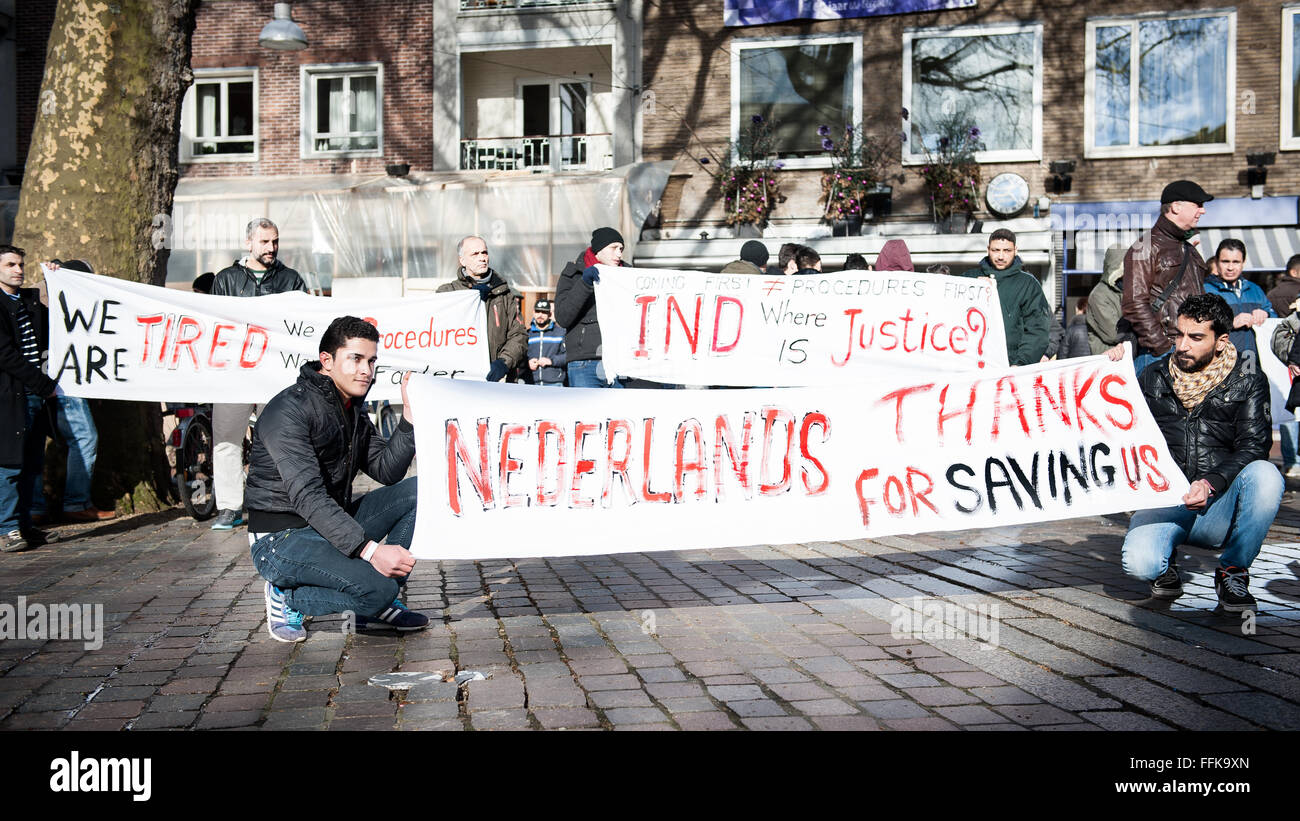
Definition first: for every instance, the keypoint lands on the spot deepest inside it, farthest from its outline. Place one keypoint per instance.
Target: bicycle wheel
(194, 470)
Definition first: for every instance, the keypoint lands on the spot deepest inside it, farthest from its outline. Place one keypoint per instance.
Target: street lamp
(282, 33)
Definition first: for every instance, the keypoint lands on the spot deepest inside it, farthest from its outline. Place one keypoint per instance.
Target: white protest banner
(510, 471)
(113, 339)
(692, 328)
(1279, 380)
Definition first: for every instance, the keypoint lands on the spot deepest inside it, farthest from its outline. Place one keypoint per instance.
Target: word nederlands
(77, 774)
(63, 622)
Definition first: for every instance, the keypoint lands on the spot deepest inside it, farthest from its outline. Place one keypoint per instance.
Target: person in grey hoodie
(1104, 302)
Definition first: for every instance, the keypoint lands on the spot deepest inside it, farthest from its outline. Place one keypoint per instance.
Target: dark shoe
(40, 519)
(1233, 586)
(228, 519)
(37, 537)
(1167, 585)
(13, 542)
(395, 617)
(90, 514)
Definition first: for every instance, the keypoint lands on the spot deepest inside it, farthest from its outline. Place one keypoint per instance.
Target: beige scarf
(1192, 388)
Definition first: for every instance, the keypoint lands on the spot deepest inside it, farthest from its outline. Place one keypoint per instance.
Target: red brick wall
(397, 33)
(688, 66)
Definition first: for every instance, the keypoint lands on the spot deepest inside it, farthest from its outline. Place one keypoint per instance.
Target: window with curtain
(219, 119)
(345, 114)
(987, 78)
(1160, 85)
(1290, 78)
(797, 85)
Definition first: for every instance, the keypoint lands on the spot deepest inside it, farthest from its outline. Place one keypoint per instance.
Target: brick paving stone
(601, 667)
(779, 675)
(635, 715)
(940, 696)
(495, 694)
(847, 723)
(1263, 709)
(915, 724)
(780, 724)
(1123, 720)
(704, 721)
(970, 714)
(910, 680)
(975, 679)
(364, 724)
(297, 718)
(718, 681)
(757, 707)
(626, 682)
(824, 707)
(606, 699)
(556, 718)
(687, 705)
(1036, 714)
(894, 709)
(1166, 704)
(431, 691)
(867, 692)
(731, 692)
(353, 709)
(227, 703)
(111, 709)
(799, 691)
(238, 718)
(554, 692)
(712, 668)
(165, 721)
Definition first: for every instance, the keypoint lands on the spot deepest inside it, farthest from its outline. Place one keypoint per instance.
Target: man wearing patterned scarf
(1213, 409)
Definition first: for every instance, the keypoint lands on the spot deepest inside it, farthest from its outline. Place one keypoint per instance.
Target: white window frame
(307, 113)
(189, 126)
(1090, 149)
(553, 99)
(1032, 154)
(739, 45)
(1287, 141)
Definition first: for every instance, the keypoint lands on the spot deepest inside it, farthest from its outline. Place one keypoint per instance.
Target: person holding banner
(319, 550)
(575, 310)
(1213, 410)
(506, 335)
(258, 273)
(1025, 312)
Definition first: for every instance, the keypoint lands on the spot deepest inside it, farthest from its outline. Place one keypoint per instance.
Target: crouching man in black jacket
(1213, 409)
(319, 550)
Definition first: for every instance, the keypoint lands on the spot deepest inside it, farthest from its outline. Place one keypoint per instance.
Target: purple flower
(823, 131)
(757, 119)
(702, 160)
(827, 145)
(778, 165)
(902, 136)
(974, 132)
(848, 129)
(903, 113)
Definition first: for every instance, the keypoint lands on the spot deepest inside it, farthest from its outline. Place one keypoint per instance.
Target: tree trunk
(101, 172)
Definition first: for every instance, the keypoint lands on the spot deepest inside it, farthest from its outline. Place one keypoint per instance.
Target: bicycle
(193, 442)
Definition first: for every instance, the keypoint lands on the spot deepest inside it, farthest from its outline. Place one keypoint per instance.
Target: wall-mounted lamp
(1257, 173)
(1060, 180)
(282, 33)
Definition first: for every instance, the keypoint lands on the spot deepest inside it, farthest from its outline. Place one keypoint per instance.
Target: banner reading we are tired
(692, 328)
(513, 471)
(113, 339)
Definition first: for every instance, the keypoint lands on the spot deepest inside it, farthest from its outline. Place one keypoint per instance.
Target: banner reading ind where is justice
(692, 328)
(510, 471)
(113, 339)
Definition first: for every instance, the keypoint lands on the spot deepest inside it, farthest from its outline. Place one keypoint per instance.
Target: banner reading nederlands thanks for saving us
(692, 328)
(511, 471)
(113, 339)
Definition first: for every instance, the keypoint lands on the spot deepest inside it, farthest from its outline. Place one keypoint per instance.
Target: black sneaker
(1167, 585)
(228, 519)
(13, 542)
(37, 537)
(1233, 586)
(396, 616)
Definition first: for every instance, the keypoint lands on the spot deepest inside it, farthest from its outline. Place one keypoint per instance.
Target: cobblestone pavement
(763, 637)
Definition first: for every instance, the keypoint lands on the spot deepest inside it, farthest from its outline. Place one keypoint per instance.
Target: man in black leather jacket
(318, 548)
(1213, 409)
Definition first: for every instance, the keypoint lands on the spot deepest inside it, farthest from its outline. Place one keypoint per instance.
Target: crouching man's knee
(375, 594)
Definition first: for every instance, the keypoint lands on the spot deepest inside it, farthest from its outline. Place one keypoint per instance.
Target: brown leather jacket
(1149, 266)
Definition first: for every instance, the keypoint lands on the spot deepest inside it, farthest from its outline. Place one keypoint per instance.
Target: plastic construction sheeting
(353, 226)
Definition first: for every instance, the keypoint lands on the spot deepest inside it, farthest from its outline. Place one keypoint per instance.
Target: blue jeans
(16, 481)
(1290, 433)
(589, 373)
(1236, 522)
(318, 579)
(77, 427)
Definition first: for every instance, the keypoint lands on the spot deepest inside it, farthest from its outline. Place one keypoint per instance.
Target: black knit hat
(755, 252)
(604, 236)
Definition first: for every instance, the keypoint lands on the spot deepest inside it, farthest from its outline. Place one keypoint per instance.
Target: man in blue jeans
(320, 550)
(1213, 411)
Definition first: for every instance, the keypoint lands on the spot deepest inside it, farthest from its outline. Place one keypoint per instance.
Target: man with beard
(1213, 411)
(259, 273)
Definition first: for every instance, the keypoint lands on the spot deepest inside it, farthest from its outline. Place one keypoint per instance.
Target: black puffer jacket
(302, 464)
(238, 280)
(575, 311)
(1231, 428)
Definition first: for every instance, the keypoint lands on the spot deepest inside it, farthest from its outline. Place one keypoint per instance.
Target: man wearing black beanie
(753, 258)
(575, 309)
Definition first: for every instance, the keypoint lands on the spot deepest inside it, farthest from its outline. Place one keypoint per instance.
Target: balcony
(567, 152)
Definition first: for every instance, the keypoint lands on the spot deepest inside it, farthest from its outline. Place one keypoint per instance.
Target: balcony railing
(567, 152)
(506, 5)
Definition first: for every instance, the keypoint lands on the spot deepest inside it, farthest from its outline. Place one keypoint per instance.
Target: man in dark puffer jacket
(316, 546)
(1214, 414)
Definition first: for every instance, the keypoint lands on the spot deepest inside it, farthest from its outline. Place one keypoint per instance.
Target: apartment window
(219, 117)
(1290, 78)
(1160, 85)
(987, 77)
(797, 85)
(343, 110)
